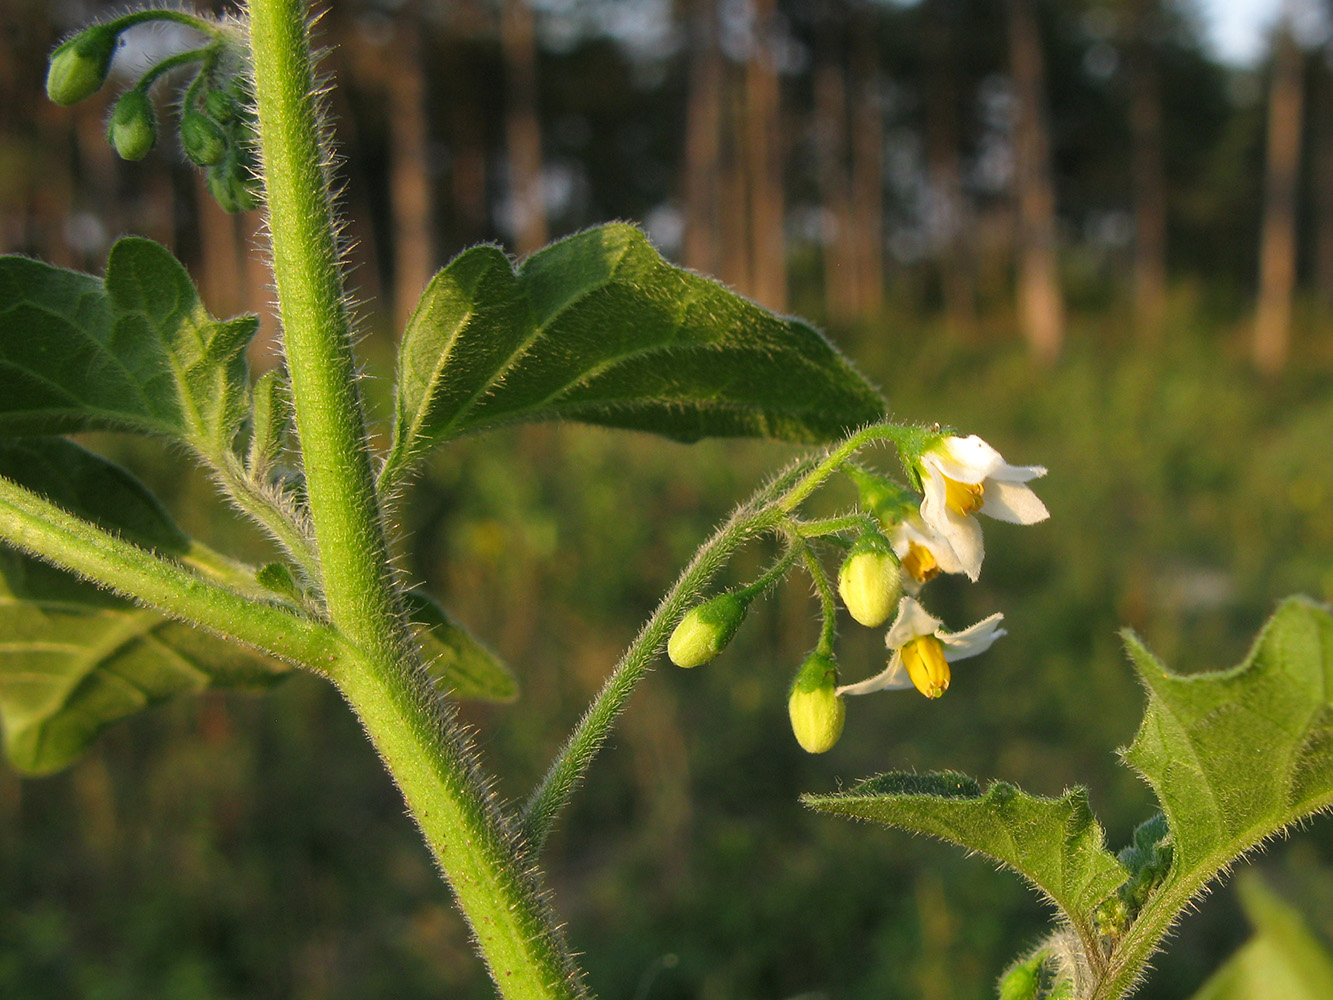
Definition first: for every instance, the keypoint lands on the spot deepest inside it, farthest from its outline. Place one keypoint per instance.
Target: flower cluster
(904, 539)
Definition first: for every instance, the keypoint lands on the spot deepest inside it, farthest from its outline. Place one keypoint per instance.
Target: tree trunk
(764, 149)
(1149, 175)
(703, 138)
(1277, 244)
(1321, 135)
(1040, 300)
(867, 162)
(522, 129)
(952, 220)
(831, 157)
(410, 201)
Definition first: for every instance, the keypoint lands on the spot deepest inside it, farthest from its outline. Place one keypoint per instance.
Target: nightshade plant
(109, 606)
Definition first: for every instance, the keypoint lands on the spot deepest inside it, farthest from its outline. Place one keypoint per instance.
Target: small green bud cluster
(216, 116)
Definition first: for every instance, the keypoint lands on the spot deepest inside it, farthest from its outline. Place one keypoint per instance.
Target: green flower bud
(78, 68)
(706, 630)
(232, 185)
(220, 106)
(203, 139)
(870, 580)
(133, 126)
(815, 710)
(881, 496)
(1022, 982)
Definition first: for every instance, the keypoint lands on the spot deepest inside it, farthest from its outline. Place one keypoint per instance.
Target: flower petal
(972, 641)
(1013, 502)
(912, 620)
(965, 460)
(891, 678)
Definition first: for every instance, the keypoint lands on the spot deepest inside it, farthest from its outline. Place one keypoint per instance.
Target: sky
(1236, 27)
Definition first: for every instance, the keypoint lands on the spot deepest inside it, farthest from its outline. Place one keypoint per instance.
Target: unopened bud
(926, 665)
(706, 630)
(202, 138)
(78, 68)
(815, 710)
(133, 126)
(232, 185)
(870, 581)
(220, 105)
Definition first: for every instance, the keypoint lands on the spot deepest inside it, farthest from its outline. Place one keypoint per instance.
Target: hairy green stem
(896, 433)
(175, 16)
(567, 770)
(40, 528)
(828, 607)
(421, 746)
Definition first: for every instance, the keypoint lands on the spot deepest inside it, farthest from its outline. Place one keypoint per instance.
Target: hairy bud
(202, 138)
(870, 580)
(706, 630)
(133, 126)
(816, 712)
(78, 68)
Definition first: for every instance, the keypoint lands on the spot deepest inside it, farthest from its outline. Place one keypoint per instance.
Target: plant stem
(421, 746)
(567, 770)
(39, 527)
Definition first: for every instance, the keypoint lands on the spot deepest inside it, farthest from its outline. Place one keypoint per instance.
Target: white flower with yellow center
(921, 651)
(965, 476)
(923, 553)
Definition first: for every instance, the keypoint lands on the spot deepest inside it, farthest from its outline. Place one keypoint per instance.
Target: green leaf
(1054, 843)
(599, 328)
(1284, 960)
(454, 659)
(134, 352)
(1235, 756)
(75, 658)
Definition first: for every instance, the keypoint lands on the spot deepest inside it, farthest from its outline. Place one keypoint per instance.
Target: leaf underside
(75, 658)
(1055, 843)
(599, 328)
(454, 659)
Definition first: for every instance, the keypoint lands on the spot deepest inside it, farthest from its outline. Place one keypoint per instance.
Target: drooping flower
(965, 476)
(922, 551)
(920, 651)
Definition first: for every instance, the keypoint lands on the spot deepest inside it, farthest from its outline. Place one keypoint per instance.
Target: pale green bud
(706, 630)
(870, 580)
(202, 138)
(1022, 982)
(78, 68)
(133, 126)
(816, 712)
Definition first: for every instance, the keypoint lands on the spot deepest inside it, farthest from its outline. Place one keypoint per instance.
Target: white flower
(965, 476)
(921, 651)
(923, 552)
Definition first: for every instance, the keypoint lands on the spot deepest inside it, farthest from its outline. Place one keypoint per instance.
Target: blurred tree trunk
(703, 138)
(764, 151)
(1040, 301)
(1149, 175)
(944, 163)
(867, 209)
(1321, 136)
(410, 200)
(734, 212)
(831, 157)
(1277, 242)
(523, 140)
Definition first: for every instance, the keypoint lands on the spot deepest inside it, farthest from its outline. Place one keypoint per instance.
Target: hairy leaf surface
(1055, 843)
(136, 351)
(1234, 756)
(599, 328)
(75, 658)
